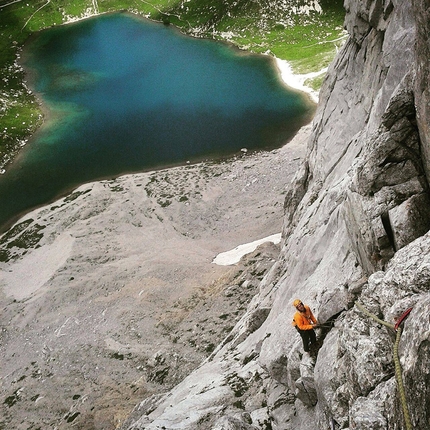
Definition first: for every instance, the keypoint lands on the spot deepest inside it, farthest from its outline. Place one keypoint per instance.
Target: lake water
(124, 95)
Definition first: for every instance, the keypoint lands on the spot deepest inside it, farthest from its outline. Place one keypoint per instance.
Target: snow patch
(233, 256)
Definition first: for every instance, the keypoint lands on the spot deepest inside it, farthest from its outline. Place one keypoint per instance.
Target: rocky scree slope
(109, 295)
(355, 229)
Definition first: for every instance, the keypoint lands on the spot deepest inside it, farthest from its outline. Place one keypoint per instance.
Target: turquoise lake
(124, 94)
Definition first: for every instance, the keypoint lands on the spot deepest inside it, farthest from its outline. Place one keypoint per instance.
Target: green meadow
(308, 41)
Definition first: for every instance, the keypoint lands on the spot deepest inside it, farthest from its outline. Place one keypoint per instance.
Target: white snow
(233, 256)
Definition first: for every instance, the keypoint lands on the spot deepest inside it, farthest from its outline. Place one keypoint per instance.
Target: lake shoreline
(217, 127)
(291, 80)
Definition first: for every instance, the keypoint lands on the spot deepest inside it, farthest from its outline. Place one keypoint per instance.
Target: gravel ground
(110, 294)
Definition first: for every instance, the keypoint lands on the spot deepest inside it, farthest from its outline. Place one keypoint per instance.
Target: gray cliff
(355, 229)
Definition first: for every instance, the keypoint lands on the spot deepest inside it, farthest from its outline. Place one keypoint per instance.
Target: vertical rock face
(356, 222)
(422, 83)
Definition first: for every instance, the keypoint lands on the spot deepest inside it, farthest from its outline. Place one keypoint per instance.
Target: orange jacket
(304, 320)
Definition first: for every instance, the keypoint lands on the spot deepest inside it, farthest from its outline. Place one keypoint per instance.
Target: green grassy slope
(307, 41)
(261, 26)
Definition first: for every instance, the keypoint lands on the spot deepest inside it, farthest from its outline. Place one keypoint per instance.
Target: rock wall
(355, 228)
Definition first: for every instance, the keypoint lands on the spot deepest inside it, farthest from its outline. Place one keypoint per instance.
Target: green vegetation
(307, 40)
(75, 195)
(20, 236)
(28, 239)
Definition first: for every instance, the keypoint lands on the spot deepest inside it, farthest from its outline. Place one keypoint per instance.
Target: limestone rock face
(355, 229)
(422, 82)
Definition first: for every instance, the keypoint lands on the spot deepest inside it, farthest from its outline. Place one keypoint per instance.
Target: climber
(305, 323)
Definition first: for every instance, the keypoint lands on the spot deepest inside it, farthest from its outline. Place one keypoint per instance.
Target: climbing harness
(397, 365)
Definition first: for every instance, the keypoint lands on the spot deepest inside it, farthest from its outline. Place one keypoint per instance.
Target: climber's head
(298, 305)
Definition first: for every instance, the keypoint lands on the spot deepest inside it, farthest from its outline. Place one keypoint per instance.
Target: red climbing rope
(402, 318)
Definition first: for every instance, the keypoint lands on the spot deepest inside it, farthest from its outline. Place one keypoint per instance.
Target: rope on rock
(397, 364)
(398, 370)
(364, 310)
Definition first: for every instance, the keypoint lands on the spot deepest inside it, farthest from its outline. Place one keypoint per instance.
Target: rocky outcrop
(422, 81)
(355, 229)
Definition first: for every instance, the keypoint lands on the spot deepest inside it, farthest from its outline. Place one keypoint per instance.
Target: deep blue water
(126, 95)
